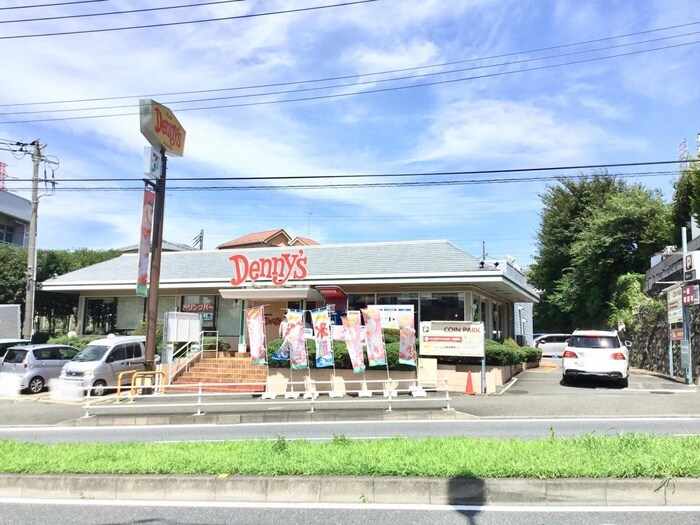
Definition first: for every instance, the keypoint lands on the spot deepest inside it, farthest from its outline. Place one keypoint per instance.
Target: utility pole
(28, 327)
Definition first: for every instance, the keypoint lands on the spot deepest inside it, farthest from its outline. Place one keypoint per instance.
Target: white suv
(596, 353)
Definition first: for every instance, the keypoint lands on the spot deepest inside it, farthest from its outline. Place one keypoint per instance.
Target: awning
(331, 292)
(270, 293)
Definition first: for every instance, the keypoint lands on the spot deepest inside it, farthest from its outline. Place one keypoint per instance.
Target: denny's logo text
(279, 268)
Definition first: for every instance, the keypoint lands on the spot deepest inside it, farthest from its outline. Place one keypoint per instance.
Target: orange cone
(470, 388)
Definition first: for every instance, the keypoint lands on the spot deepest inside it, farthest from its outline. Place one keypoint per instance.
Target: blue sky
(634, 108)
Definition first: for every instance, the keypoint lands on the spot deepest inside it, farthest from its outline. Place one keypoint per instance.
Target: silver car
(35, 364)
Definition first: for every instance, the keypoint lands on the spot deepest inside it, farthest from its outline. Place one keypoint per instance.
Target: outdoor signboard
(161, 128)
(152, 163)
(675, 334)
(690, 295)
(452, 338)
(691, 263)
(675, 304)
(685, 353)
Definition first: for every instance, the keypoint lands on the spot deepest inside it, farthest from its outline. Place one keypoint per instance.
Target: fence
(195, 396)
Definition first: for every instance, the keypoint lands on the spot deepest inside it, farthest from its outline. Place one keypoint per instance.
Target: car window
(91, 353)
(118, 354)
(562, 338)
(15, 356)
(68, 353)
(133, 351)
(586, 341)
(42, 354)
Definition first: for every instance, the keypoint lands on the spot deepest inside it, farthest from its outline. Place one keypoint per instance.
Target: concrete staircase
(223, 370)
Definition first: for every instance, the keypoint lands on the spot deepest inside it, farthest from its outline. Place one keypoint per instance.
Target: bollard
(199, 401)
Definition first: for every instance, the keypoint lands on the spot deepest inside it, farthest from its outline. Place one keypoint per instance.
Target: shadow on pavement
(467, 491)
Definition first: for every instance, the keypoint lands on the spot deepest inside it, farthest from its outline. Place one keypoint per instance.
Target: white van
(99, 364)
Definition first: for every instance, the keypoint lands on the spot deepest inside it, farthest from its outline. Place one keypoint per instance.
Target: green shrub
(510, 343)
(40, 337)
(532, 355)
(78, 342)
(210, 343)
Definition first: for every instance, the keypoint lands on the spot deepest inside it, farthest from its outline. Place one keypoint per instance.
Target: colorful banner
(376, 351)
(351, 323)
(322, 336)
(294, 339)
(145, 243)
(407, 339)
(255, 322)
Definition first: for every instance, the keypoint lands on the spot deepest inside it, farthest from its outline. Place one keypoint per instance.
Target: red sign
(690, 294)
(278, 268)
(198, 307)
(675, 334)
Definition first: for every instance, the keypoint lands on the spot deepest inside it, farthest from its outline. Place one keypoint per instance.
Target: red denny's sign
(279, 268)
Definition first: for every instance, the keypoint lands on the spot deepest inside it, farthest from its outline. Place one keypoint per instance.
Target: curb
(268, 417)
(333, 489)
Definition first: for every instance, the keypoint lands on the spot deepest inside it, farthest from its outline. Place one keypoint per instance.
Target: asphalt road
(81, 512)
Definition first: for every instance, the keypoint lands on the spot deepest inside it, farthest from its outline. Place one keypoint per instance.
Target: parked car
(551, 345)
(100, 363)
(596, 353)
(6, 343)
(36, 364)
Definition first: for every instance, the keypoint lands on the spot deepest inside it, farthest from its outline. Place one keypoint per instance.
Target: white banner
(390, 313)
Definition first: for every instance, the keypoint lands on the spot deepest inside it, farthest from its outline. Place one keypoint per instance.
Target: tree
(13, 277)
(610, 229)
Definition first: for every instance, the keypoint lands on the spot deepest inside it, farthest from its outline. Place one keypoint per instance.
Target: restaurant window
(442, 306)
(404, 298)
(100, 316)
(130, 313)
(204, 305)
(228, 317)
(359, 301)
(166, 304)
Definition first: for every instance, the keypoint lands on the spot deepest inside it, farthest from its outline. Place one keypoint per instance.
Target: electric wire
(56, 4)
(185, 22)
(354, 84)
(368, 91)
(391, 175)
(359, 75)
(108, 13)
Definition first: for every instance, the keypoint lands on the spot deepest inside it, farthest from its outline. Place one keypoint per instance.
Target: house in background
(269, 238)
(15, 214)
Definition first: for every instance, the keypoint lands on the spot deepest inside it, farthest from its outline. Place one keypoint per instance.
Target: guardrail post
(87, 404)
(447, 394)
(199, 401)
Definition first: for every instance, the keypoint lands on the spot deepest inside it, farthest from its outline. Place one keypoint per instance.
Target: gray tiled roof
(370, 259)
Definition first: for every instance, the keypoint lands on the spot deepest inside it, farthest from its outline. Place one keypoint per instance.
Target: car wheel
(36, 385)
(99, 388)
(624, 382)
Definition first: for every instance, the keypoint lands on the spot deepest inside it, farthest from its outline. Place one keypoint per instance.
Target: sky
(390, 86)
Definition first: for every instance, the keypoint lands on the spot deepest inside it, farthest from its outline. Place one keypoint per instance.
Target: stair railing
(189, 353)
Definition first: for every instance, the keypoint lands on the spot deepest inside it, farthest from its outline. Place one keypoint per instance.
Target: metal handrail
(191, 356)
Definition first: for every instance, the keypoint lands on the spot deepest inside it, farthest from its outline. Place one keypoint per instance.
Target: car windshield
(91, 353)
(14, 355)
(594, 341)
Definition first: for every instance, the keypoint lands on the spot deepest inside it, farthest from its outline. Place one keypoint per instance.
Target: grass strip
(590, 456)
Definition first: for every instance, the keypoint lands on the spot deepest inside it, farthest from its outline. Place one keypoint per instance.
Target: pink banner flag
(145, 243)
(255, 322)
(294, 339)
(376, 351)
(407, 339)
(351, 323)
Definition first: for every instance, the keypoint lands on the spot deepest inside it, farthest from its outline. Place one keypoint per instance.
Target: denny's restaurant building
(441, 281)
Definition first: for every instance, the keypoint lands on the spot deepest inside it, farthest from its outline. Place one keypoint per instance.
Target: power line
(405, 174)
(185, 22)
(354, 84)
(346, 77)
(366, 185)
(368, 91)
(57, 4)
(109, 13)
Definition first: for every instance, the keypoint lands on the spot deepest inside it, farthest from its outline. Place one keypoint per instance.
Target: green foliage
(77, 342)
(588, 456)
(628, 298)
(593, 230)
(510, 343)
(40, 337)
(498, 354)
(210, 343)
(13, 278)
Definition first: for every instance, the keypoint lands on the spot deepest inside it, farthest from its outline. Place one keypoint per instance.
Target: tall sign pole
(165, 134)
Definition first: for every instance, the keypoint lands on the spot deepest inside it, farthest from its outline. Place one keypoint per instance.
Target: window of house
(447, 306)
(7, 233)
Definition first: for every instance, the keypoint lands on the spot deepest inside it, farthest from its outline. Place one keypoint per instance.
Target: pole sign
(452, 338)
(675, 305)
(161, 128)
(690, 295)
(152, 163)
(685, 353)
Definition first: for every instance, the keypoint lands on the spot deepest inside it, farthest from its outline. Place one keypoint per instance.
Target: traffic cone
(470, 388)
